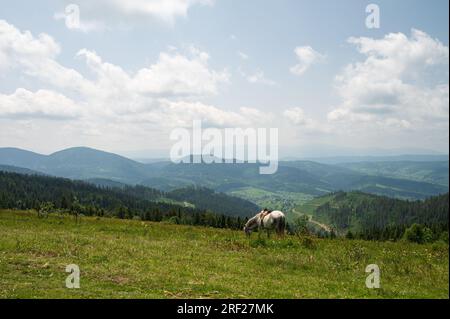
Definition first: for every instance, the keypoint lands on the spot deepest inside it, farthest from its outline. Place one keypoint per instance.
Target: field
(133, 259)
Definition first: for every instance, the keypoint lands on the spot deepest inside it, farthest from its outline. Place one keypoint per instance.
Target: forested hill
(379, 217)
(205, 198)
(19, 170)
(21, 191)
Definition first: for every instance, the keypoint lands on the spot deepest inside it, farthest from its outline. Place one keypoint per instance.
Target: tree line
(373, 217)
(50, 194)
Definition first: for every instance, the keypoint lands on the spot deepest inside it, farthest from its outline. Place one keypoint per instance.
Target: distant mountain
(77, 163)
(434, 172)
(20, 158)
(19, 170)
(84, 163)
(393, 158)
(293, 177)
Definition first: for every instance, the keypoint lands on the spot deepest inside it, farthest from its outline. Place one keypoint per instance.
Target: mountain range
(400, 179)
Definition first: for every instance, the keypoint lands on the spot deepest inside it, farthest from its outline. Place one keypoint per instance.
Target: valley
(294, 182)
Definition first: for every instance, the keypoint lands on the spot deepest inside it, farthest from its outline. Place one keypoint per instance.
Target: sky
(129, 72)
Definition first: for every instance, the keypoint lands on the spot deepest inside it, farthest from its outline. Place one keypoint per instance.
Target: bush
(349, 235)
(301, 225)
(418, 233)
(444, 237)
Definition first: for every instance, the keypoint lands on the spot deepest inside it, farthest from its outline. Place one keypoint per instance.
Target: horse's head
(250, 225)
(253, 222)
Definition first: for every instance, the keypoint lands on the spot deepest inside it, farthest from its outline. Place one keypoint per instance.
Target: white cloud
(297, 117)
(258, 78)
(23, 104)
(388, 88)
(306, 57)
(36, 57)
(180, 75)
(173, 74)
(23, 48)
(162, 95)
(210, 115)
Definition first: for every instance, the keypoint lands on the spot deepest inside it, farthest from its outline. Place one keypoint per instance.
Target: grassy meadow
(134, 259)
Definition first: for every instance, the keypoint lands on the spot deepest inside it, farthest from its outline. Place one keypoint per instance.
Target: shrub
(444, 237)
(418, 233)
(301, 225)
(349, 235)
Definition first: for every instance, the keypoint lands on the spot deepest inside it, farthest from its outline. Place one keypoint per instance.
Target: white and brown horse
(266, 220)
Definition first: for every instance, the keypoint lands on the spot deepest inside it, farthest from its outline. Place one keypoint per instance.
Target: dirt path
(315, 222)
(323, 226)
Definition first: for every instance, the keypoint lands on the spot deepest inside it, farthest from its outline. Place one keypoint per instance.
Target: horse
(267, 220)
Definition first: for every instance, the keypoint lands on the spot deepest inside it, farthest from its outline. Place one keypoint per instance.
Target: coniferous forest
(49, 194)
(374, 217)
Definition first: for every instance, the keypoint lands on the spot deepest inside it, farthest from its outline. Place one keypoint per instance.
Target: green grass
(133, 259)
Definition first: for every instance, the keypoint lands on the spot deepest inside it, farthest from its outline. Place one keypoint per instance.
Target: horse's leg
(280, 230)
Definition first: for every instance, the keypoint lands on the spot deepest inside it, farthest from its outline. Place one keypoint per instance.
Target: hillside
(20, 158)
(298, 179)
(29, 191)
(134, 259)
(19, 170)
(434, 172)
(377, 217)
(207, 199)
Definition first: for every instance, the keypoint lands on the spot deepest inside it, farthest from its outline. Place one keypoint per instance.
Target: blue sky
(241, 55)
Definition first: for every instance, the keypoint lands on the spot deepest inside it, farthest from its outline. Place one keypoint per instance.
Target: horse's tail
(281, 225)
